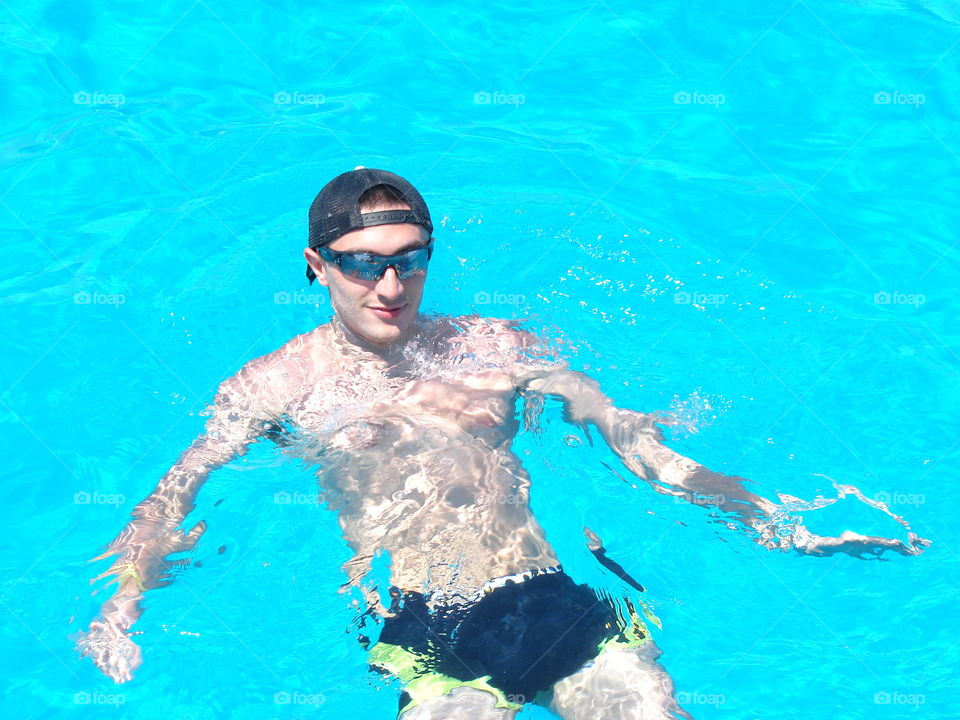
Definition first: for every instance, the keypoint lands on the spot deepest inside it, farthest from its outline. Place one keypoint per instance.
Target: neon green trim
(632, 628)
(421, 684)
(648, 614)
(129, 570)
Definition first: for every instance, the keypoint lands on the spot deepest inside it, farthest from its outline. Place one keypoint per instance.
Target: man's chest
(484, 398)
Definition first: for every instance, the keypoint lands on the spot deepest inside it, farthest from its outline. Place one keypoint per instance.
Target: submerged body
(413, 450)
(410, 421)
(415, 454)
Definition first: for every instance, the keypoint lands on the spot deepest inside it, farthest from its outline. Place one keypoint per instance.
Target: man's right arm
(143, 546)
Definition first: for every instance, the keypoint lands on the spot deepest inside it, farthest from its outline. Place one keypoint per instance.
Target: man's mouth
(387, 313)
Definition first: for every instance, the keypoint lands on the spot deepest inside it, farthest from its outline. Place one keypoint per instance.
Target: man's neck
(346, 337)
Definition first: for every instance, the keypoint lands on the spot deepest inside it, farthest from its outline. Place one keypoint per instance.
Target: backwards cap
(335, 210)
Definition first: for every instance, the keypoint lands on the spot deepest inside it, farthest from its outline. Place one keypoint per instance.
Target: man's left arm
(639, 443)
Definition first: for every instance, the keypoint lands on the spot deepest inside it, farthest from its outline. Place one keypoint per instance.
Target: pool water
(738, 216)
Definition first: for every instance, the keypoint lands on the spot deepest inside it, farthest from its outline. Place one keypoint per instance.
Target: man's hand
(640, 445)
(111, 649)
(856, 545)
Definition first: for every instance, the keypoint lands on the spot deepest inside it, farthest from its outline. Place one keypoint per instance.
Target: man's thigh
(464, 703)
(621, 684)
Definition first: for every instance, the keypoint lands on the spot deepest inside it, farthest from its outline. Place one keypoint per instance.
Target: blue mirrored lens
(367, 266)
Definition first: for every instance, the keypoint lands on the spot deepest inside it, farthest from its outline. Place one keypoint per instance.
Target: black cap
(335, 212)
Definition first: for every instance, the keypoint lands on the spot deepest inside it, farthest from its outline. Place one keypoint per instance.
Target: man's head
(357, 219)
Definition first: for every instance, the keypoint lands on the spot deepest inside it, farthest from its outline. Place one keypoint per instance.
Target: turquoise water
(736, 215)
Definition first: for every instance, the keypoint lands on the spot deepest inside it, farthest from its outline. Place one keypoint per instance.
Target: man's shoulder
(482, 326)
(289, 365)
(506, 339)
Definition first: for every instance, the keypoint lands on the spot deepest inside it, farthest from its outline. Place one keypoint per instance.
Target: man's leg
(621, 683)
(464, 703)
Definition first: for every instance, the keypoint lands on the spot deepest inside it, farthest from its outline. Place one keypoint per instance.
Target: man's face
(377, 311)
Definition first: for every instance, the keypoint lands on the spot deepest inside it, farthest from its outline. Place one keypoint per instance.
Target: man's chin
(385, 332)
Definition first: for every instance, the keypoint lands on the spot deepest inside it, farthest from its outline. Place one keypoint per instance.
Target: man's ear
(316, 264)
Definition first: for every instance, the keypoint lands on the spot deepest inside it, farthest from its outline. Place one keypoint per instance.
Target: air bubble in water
(573, 441)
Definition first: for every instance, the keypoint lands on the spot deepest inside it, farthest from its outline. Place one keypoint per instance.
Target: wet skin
(410, 421)
(420, 466)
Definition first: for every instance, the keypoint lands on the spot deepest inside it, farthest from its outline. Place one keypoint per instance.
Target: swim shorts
(516, 640)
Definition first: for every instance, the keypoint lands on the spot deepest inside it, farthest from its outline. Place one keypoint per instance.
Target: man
(411, 420)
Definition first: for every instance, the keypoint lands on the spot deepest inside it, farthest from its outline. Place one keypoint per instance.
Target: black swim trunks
(515, 641)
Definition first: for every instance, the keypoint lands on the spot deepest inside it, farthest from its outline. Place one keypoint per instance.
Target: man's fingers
(111, 650)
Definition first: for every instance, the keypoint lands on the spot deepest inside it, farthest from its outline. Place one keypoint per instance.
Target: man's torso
(414, 450)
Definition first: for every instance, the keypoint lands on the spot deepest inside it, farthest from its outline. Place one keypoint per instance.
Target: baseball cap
(335, 211)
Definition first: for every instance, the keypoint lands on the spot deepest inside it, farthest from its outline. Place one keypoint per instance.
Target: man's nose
(389, 285)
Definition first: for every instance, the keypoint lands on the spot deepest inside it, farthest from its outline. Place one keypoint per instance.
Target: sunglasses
(368, 266)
